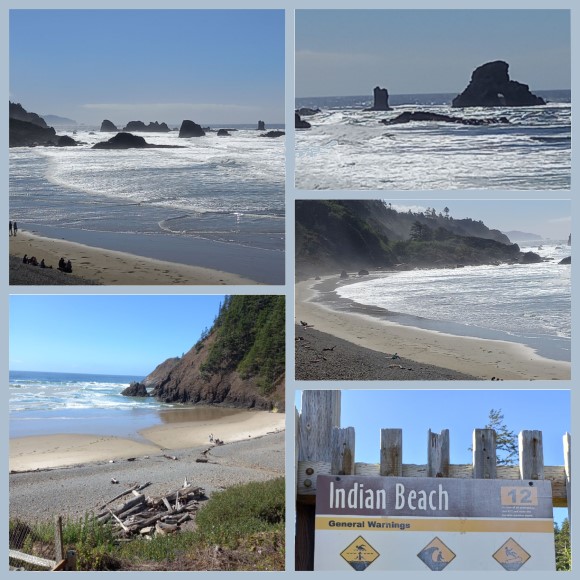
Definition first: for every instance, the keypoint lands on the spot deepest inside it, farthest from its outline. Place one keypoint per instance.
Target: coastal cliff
(239, 362)
(336, 235)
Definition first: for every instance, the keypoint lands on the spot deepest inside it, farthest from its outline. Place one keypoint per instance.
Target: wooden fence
(62, 562)
(323, 448)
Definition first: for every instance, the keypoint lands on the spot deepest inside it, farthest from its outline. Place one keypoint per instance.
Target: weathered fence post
(531, 455)
(391, 453)
(567, 469)
(438, 454)
(58, 545)
(320, 413)
(484, 454)
(342, 451)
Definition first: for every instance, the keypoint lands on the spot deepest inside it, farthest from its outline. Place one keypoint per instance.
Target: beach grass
(240, 528)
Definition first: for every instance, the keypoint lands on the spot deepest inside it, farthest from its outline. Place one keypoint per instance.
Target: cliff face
(240, 363)
(336, 235)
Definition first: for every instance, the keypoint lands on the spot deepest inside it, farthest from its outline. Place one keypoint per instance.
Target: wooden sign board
(412, 523)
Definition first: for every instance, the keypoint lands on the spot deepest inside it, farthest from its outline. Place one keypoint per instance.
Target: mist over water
(347, 148)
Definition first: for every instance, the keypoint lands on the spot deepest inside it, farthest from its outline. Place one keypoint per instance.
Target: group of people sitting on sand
(215, 440)
(34, 262)
(63, 265)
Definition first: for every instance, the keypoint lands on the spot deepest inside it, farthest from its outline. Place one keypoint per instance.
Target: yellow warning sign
(360, 554)
(511, 555)
(436, 555)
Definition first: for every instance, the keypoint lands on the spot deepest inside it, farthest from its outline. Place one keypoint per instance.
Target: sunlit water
(529, 304)
(347, 148)
(226, 189)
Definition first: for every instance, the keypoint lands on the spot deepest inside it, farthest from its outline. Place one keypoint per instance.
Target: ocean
(226, 193)
(47, 403)
(347, 148)
(527, 304)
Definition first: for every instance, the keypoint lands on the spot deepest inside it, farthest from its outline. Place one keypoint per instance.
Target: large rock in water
(490, 86)
(261, 126)
(153, 127)
(299, 123)
(191, 129)
(408, 116)
(135, 390)
(381, 103)
(26, 134)
(108, 127)
(123, 141)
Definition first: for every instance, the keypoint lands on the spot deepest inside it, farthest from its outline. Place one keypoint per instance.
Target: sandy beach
(103, 266)
(484, 359)
(72, 474)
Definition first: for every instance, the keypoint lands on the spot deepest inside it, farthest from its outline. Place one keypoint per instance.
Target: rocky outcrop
(66, 141)
(129, 141)
(273, 134)
(409, 116)
(108, 127)
(191, 129)
(153, 127)
(223, 133)
(490, 86)
(26, 134)
(307, 111)
(161, 372)
(381, 100)
(530, 258)
(135, 390)
(17, 111)
(299, 123)
(565, 261)
(261, 126)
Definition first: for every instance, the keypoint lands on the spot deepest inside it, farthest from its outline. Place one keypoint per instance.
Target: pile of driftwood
(147, 516)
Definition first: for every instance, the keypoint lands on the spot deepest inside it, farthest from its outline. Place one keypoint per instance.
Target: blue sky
(105, 334)
(550, 219)
(348, 52)
(211, 66)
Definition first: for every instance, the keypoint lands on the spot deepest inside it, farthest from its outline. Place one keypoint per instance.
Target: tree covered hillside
(239, 361)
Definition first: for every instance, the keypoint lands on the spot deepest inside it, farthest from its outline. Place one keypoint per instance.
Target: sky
(550, 219)
(210, 66)
(349, 52)
(105, 334)
(460, 411)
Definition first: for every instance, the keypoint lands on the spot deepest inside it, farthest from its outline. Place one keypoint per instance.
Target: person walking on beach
(10, 227)
(15, 227)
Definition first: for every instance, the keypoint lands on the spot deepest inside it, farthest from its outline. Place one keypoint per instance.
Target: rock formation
(223, 133)
(129, 141)
(153, 127)
(261, 126)
(299, 123)
(408, 116)
(381, 103)
(191, 129)
(17, 111)
(108, 127)
(530, 258)
(135, 390)
(490, 86)
(26, 134)
(66, 141)
(307, 111)
(567, 260)
(273, 134)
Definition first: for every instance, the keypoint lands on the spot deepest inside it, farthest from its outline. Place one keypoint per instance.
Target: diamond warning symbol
(511, 555)
(360, 554)
(436, 555)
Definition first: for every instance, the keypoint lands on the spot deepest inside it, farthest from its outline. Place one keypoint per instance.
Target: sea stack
(108, 127)
(191, 129)
(381, 100)
(261, 126)
(490, 86)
